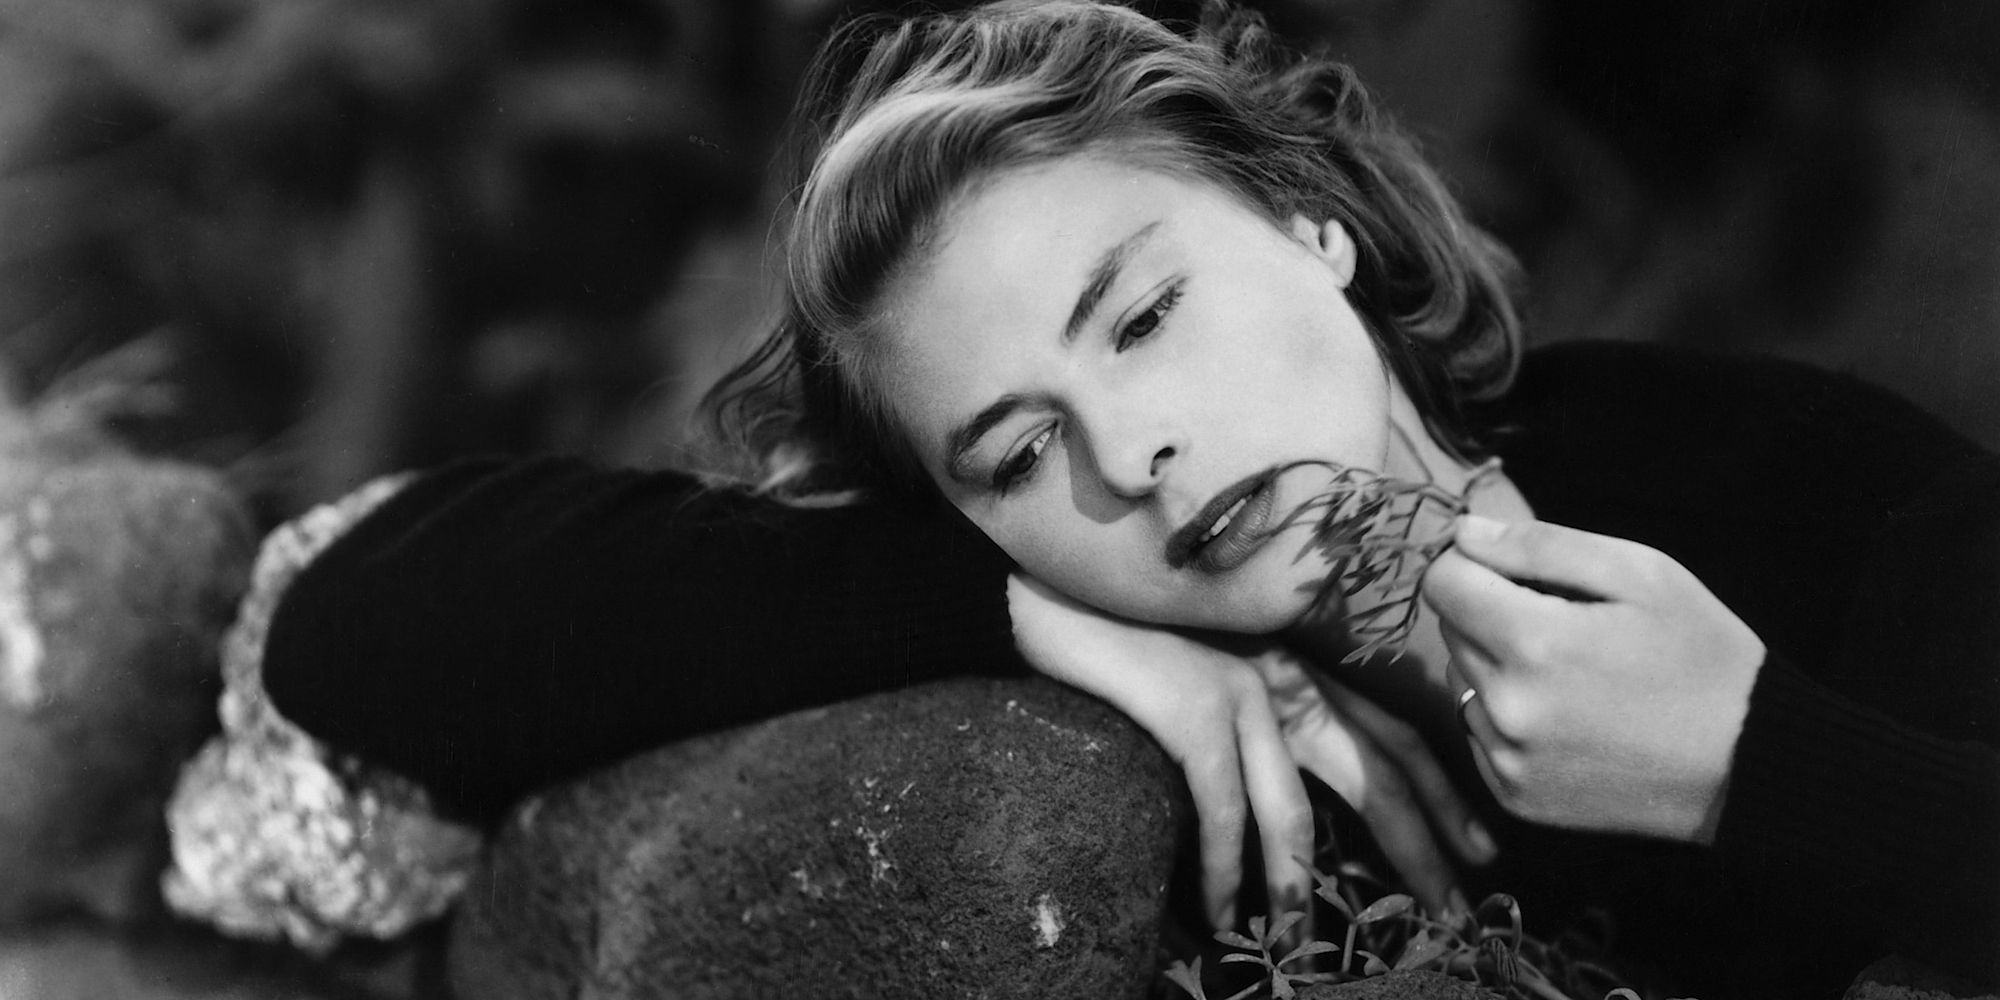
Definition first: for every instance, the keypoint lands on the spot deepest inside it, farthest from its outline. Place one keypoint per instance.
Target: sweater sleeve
(1848, 816)
(496, 627)
(1865, 788)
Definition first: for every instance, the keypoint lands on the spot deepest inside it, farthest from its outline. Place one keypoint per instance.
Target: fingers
(1278, 799)
(1363, 775)
(1481, 605)
(1549, 555)
(1216, 784)
(1450, 817)
(1485, 735)
(1405, 839)
(1471, 664)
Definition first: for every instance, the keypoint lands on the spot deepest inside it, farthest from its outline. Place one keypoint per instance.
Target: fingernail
(1225, 918)
(1473, 528)
(1457, 904)
(1482, 841)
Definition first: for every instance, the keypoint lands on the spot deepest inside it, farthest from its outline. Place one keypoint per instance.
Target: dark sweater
(500, 626)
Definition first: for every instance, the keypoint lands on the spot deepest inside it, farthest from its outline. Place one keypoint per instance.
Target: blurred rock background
(365, 234)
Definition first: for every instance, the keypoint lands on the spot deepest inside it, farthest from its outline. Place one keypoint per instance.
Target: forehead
(991, 294)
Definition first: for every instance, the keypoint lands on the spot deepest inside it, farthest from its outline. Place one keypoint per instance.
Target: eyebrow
(1104, 275)
(959, 441)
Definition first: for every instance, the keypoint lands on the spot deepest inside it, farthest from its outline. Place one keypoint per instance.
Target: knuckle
(1242, 680)
(1509, 776)
(1652, 567)
(1532, 647)
(1209, 701)
(1510, 714)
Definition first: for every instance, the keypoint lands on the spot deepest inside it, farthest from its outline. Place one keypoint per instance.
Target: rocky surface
(1899, 979)
(117, 575)
(973, 838)
(77, 961)
(1407, 985)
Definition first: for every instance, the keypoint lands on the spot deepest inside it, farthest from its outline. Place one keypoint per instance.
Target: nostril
(1160, 459)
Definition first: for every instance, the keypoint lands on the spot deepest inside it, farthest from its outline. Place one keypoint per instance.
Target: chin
(1264, 614)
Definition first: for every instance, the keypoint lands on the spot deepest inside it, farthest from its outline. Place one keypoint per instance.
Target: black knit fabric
(498, 627)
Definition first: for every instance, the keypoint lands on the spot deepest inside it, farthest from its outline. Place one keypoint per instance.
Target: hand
(1612, 684)
(1208, 711)
(1381, 767)
(1241, 724)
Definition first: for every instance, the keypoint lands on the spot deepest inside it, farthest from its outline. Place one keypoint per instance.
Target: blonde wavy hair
(899, 115)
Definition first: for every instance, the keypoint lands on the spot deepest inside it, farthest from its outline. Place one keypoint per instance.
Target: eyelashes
(1020, 464)
(1148, 321)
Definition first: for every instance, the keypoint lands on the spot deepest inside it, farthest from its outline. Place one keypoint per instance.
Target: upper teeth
(1223, 521)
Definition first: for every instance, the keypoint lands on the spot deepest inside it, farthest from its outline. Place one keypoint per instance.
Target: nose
(1133, 462)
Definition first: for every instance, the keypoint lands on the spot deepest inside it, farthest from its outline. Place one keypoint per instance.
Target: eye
(1148, 320)
(1018, 466)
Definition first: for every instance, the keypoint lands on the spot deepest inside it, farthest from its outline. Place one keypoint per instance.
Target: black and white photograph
(999, 499)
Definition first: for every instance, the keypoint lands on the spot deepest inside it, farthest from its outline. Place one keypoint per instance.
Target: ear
(1329, 242)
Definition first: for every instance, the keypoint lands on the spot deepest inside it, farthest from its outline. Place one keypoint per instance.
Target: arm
(496, 627)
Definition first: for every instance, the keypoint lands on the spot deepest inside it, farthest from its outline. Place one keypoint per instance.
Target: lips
(1228, 530)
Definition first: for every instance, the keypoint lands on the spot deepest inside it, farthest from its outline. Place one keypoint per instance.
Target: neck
(1415, 454)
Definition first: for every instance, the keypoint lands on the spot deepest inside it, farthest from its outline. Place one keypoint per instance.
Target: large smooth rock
(117, 575)
(972, 838)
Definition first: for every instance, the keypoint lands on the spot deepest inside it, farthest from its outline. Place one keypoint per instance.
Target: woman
(1127, 302)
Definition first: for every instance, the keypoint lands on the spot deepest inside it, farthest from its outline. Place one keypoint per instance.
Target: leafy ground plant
(1391, 932)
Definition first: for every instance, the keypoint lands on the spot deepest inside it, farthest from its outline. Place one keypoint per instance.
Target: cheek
(1097, 564)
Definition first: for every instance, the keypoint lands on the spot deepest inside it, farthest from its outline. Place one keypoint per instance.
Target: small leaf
(1281, 925)
(1281, 990)
(1421, 952)
(1246, 991)
(1308, 949)
(1329, 890)
(1257, 928)
(1237, 956)
(1392, 905)
(1188, 978)
(1235, 940)
(1374, 966)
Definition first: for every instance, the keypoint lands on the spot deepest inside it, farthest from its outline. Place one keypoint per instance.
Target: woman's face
(1105, 367)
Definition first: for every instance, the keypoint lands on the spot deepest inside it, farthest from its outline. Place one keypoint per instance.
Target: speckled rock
(1897, 978)
(117, 575)
(1406, 985)
(972, 838)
